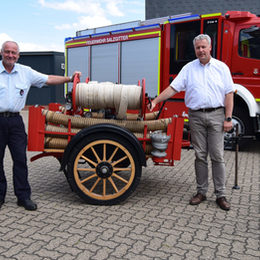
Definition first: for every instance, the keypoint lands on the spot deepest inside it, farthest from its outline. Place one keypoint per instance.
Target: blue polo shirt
(14, 86)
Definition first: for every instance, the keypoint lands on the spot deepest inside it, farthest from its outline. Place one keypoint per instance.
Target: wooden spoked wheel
(104, 171)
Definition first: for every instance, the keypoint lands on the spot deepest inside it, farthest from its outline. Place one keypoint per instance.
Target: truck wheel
(242, 120)
(104, 169)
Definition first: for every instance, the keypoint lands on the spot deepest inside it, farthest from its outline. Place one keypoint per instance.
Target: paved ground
(156, 222)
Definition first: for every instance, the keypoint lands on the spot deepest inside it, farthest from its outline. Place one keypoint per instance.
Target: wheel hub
(104, 170)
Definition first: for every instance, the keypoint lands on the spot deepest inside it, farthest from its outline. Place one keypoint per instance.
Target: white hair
(202, 37)
(3, 45)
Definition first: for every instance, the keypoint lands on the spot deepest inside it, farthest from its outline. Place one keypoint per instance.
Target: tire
(241, 120)
(103, 169)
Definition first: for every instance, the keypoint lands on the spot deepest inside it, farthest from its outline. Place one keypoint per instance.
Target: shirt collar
(207, 64)
(2, 68)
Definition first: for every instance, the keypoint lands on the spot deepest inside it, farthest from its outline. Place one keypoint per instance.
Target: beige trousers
(207, 137)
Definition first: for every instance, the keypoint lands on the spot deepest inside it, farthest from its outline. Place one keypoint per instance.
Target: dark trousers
(13, 135)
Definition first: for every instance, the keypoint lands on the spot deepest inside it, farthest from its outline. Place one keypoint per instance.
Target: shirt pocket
(21, 90)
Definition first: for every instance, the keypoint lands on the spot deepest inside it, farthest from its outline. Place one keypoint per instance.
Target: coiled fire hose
(81, 122)
(61, 141)
(102, 95)
(77, 123)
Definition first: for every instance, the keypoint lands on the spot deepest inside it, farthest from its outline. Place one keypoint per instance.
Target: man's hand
(74, 74)
(227, 126)
(167, 93)
(56, 79)
(151, 105)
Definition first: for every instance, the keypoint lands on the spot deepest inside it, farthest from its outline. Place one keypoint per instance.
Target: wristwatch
(228, 119)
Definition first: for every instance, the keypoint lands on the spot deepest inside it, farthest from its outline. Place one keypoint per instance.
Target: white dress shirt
(14, 86)
(205, 86)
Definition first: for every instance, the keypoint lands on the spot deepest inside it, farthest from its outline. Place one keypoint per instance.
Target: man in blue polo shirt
(15, 83)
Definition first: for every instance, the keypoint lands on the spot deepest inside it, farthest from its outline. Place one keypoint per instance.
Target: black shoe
(27, 204)
(1, 203)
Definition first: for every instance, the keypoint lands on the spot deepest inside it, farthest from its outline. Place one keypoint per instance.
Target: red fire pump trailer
(102, 156)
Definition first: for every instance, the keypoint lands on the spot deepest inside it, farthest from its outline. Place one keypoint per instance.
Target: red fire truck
(157, 49)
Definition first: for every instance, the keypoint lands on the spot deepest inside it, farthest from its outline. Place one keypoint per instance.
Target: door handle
(237, 73)
(256, 71)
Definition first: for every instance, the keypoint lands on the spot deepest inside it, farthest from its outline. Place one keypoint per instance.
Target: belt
(9, 114)
(207, 109)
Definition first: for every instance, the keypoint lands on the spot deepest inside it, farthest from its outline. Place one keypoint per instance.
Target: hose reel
(107, 95)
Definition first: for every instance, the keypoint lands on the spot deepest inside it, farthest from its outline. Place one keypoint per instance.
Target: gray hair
(202, 37)
(3, 45)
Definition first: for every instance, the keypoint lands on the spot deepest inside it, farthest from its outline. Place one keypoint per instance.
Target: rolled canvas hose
(151, 115)
(129, 116)
(57, 141)
(62, 129)
(101, 95)
(123, 103)
(61, 143)
(80, 122)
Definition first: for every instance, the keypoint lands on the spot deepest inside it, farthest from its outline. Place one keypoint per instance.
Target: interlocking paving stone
(155, 222)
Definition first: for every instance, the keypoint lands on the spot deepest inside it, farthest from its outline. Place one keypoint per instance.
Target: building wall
(161, 8)
(48, 63)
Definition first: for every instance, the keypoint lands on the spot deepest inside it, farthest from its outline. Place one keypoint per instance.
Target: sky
(43, 25)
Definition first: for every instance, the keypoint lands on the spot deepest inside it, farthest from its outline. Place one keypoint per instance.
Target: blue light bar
(76, 38)
(100, 34)
(185, 18)
(122, 31)
(157, 25)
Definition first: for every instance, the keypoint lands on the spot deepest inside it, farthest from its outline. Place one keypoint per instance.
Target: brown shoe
(223, 204)
(197, 199)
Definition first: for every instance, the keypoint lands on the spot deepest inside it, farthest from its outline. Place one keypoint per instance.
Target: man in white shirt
(209, 89)
(15, 82)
